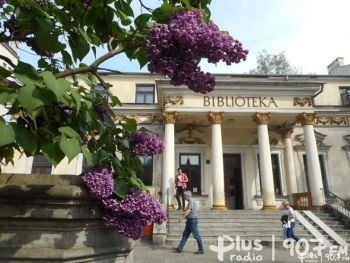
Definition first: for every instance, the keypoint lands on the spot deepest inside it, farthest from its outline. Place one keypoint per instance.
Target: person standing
(181, 185)
(191, 215)
(288, 211)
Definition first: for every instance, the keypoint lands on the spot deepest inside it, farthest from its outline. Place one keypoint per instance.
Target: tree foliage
(57, 112)
(273, 64)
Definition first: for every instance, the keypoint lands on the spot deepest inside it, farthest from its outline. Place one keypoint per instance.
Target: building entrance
(233, 181)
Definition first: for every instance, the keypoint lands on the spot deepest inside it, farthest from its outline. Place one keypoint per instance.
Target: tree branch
(105, 85)
(93, 67)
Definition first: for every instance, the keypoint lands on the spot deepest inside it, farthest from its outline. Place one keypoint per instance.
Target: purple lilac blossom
(130, 215)
(99, 181)
(145, 144)
(175, 50)
(2, 2)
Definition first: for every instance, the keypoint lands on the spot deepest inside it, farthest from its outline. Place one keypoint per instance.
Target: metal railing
(338, 206)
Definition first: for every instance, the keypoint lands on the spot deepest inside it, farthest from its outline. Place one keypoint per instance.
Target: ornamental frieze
(332, 121)
(302, 101)
(173, 100)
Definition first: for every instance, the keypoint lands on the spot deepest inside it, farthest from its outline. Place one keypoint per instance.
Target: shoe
(176, 250)
(199, 252)
(179, 208)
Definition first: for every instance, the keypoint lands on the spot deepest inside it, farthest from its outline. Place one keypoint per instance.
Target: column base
(317, 207)
(219, 207)
(269, 207)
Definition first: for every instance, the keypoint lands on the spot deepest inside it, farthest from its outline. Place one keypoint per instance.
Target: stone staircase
(248, 224)
(330, 220)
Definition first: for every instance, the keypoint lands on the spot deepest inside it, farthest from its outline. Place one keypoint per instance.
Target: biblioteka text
(230, 101)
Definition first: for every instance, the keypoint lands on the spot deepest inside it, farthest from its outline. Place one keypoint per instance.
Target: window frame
(151, 175)
(40, 165)
(344, 92)
(145, 93)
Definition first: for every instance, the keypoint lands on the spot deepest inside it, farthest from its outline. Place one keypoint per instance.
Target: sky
(311, 33)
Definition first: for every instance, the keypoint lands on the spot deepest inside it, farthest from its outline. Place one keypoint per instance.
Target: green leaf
(7, 132)
(121, 187)
(142, 20)
(69, 146)
(27, 140)
(7, 94)
(68, 131)
(130, 125)
(80, 48)
(44, 23)
(57, 86)
(115, 101)
(90, 157)
(32, 97)
(42, 63)
(123, 18)
(4, 72)
(77, 98)
(187, 3)
(27, 74)
(52, 152)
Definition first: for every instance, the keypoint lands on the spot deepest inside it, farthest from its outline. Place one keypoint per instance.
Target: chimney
(338, 62)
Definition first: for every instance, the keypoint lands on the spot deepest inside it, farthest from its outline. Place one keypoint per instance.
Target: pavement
(146, 252)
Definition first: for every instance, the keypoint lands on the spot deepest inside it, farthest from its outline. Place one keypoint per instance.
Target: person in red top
(181, 180)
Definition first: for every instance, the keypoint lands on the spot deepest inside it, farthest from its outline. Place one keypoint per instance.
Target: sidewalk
(146, 252)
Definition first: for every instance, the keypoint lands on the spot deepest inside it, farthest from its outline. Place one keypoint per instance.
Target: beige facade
(249, 144)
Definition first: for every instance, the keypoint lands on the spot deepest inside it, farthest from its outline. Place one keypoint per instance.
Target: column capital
(262, 118)
(306, 118)
(286, 132)
(215, 117)
(169, 117)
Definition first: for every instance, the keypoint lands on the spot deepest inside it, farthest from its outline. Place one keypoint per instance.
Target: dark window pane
(146, 174)
(276, 174)
(41, 165)
(190, 165)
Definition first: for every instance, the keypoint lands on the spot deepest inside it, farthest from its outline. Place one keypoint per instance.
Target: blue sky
(312, 33)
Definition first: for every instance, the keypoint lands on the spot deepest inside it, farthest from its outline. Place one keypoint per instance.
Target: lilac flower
(143, 143)
(99, 181)
(175, 49)
(2, 2)
(130, 215)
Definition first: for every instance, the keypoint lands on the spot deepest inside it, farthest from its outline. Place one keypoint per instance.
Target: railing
(302, 201)
(338, 206)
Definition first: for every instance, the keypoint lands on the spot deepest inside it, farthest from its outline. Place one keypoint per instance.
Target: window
(345, 95)
(276, 172)
(146, 174)
(145, 94)
(321, 158)
(99, 89)
(41, 165)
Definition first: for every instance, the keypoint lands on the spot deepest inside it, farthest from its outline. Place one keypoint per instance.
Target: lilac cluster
(145, 144)
(130, 215)
(103, 111)
(175, 49)
(99, 181)
(2, 2)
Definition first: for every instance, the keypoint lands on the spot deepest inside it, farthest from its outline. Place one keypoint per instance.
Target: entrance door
(233, 181)
(191, 165)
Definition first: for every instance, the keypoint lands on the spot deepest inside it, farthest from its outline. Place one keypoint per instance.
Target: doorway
(191, 165)
(233, 181)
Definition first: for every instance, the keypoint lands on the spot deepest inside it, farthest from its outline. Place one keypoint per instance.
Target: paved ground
(146, 252)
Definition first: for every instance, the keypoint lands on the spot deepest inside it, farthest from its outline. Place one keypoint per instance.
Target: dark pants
(180, 192)
(191, 227)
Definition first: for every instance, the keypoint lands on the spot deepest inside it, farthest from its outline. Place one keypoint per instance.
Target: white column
(267, 185)
(217, 162)
(313, 163)
(168, 175)
(289, 164)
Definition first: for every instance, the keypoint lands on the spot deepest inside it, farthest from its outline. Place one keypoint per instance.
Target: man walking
(191, 215)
